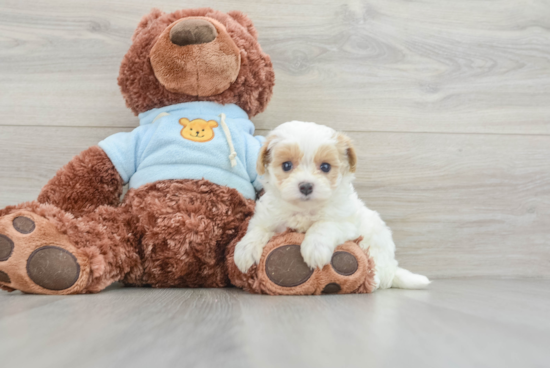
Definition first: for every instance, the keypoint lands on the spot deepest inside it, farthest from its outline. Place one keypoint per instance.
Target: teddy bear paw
(283, 270)
(36, 258)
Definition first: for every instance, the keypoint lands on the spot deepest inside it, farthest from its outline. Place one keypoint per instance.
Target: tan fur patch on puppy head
(347, 151)
(285, 152)
(264, 157)
(328, 154)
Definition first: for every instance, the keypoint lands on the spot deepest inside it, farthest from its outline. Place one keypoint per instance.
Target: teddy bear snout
(195, 56)
(193, 31)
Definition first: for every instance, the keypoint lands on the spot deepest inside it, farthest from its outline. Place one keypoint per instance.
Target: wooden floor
(456, 323)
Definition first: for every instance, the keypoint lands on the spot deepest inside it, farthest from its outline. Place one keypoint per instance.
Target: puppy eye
(287, 166)
(203, 130)
(191, 129)
(325, 167)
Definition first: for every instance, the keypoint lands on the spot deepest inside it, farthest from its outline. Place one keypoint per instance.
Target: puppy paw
(243, 260)
(249, 250)
(376, 281)
(316, 251)
(244, 256)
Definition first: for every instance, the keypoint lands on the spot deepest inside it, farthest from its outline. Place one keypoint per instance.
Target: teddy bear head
(196, 55)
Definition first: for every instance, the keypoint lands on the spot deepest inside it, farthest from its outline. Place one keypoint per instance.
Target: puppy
(308, 170)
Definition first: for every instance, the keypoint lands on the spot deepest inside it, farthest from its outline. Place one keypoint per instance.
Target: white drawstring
(160, 116)
(233, 155)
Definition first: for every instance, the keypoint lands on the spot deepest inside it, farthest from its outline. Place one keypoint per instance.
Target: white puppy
(308, 171)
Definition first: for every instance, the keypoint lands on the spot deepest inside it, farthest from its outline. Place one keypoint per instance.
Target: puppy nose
(306, 188)
(193, 31)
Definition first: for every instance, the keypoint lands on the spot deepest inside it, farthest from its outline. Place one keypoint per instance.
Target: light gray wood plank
(461, 205)
(458, 204)
(30, 156)
(456, 323)
(465, 66)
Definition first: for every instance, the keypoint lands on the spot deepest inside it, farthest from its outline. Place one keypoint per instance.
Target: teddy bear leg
(186, 226)
(45, 250)
(88, 181)
(282, 270)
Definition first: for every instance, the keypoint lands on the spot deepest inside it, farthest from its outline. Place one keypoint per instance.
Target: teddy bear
(194, 77)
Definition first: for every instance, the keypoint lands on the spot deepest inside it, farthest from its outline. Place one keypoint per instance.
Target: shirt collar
(232, 111)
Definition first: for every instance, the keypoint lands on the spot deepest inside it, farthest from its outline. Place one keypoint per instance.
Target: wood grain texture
(456, 323)
(448, 103)
(432, 66)
(458, 204)
(30, 156)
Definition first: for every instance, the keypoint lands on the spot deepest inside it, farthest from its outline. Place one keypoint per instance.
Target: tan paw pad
(36, 258)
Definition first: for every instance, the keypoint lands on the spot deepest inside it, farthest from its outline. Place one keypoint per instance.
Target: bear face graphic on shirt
(198, 130)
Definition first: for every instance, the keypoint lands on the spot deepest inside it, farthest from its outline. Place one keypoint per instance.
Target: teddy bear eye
(203, 130)
(287, 166)
(325, 167)
(190, 128)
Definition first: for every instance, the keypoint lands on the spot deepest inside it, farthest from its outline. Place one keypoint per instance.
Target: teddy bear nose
(193, 31)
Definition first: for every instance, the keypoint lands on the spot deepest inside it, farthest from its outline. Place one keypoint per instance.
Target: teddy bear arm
(88, 181)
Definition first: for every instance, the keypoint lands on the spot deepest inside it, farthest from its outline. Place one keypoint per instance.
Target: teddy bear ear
(147, 19)
(212, 123)
(184, 122)
(244, 21)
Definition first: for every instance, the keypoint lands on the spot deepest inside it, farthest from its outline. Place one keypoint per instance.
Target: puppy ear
(212, 123)
(184, 122)
(264, 157)
(347, 150)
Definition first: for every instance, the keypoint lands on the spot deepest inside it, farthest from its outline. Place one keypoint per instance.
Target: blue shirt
(187, 141)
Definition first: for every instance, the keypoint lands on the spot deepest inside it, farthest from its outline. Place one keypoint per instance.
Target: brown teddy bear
(190, 192)
(194, 77)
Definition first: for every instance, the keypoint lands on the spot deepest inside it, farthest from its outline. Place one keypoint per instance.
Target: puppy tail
(404, 279)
